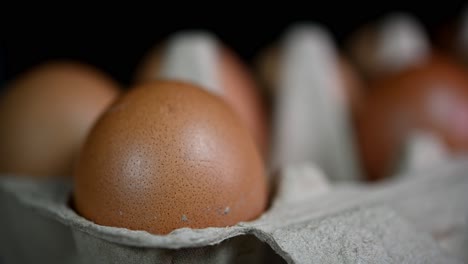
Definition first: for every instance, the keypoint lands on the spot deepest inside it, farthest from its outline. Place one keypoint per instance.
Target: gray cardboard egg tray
(318, 213)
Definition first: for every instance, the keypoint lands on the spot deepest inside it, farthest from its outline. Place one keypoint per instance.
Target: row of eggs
(191, 143)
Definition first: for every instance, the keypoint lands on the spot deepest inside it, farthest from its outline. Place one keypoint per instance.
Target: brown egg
(46, 114)
(169, 155)
(150, 66)
(237, 86)
(244, 97)
(431, 97)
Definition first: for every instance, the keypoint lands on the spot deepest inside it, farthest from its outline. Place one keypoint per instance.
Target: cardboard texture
(410, 220)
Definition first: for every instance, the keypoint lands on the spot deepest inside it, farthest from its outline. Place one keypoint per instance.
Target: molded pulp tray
(421, 218)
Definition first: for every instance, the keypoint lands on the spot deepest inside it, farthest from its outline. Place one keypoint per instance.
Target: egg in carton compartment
(415, 219)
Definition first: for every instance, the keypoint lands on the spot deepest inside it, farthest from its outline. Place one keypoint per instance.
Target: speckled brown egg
(238, 87)
(432, 97)
(169, 155)
(46, 114)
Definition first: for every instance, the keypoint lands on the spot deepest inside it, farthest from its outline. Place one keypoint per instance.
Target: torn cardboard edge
(51, 199)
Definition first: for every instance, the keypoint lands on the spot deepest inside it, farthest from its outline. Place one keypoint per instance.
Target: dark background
(116, 42)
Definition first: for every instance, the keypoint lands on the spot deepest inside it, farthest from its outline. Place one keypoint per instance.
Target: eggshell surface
(234, 84)
(169, 155)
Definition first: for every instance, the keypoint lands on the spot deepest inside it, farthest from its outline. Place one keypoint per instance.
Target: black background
(115, 42)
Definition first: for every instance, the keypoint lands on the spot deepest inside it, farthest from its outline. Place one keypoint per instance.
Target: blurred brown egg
(234, 83)
(431, 97)
(150, 67)
(46, 114)
(169, 155)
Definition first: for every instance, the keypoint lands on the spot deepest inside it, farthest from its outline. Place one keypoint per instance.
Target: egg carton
(419, 219)
(390, 44)
(311, 120)
(318, 213)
